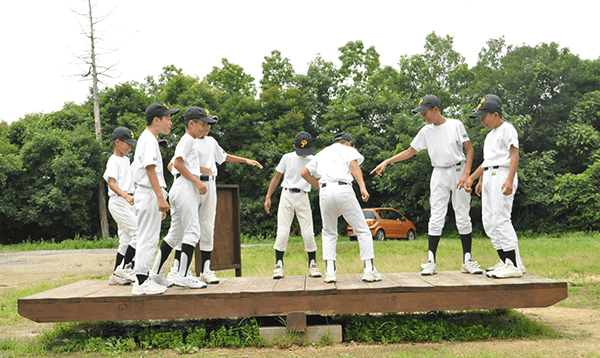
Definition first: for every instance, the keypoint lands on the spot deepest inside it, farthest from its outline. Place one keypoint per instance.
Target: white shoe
(371, 276)
(116, 280)
(172, 273)
(313, 270)
(189, 281)
(330, 276)
(278, 271)
(429, 268)
(160, 279)
(471, 267)
(209, 277)
(496, 266)
(126, 273)
(149, 287)
(507, 271)
(523, 269)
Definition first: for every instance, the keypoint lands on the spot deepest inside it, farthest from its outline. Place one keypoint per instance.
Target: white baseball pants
(124, 216)
(291, 204)
(149, 219)
(443, 187)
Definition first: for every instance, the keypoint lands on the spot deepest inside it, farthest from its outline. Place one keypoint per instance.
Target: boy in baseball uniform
(210, 154)
(150, 195)
(498, 186)
(185, 198)
(336, 166)
(121, 204)
(444, 139)
(294, 200)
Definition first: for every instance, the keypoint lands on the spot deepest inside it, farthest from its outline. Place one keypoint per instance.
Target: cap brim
(304, 151)
(171, 111)
(130, 141)
(478, 114)
(420, 109)
(212, 119)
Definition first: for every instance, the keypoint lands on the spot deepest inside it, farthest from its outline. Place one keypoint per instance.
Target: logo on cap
(421, 101)
(303, 143)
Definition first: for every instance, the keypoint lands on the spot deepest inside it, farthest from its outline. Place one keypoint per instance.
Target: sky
(42, 39)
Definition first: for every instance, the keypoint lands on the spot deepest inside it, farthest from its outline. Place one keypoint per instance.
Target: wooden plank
(294, 284)
(260, 284)
(260, 296)
(317, 285)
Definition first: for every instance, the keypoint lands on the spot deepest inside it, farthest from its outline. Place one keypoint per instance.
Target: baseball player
(294, 200)
(150, 195)
(185, 198)
(444, 140)
(335, 166)
(498, 186)
(121, 204)
(210, 154)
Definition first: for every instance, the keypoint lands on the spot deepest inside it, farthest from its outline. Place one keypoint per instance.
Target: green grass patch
(78, 243)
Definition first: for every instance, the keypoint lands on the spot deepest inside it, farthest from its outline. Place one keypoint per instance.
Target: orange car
(387, 223)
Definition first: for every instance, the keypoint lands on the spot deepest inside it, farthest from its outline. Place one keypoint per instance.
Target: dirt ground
(580, 328)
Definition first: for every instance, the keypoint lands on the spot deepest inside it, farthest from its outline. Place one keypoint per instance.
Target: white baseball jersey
(210, 153)
(497, 145)
(119, 168)
(291, 165)
(147, 153)
(444, 142)
(186, 149)
(332, 164)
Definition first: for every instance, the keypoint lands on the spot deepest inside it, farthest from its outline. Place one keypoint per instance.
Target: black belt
(201, 177)
(339, 183)
(294, 190)
(494, 167)
(453, 165)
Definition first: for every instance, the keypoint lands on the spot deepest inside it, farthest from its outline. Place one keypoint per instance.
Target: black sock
(502, 255)
(512, 256)
(187, 253)
(466, 241)
(118, 261)
(279, 256)
(178, 255)
(141, 278)
(312, 256)
(129, 255)
(434, 240)
(205, 257)
(163, 255)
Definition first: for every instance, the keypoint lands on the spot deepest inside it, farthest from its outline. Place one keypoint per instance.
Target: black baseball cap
(345, 136)
(428, 102)
(486, 106)
(196, 112)
(303, 144)
(124, 134)
(158, 110)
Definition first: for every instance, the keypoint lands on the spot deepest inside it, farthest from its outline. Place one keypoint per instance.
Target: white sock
(330, 265)
(430, 256)
(468, 257)
(368, 265)
(206, 266)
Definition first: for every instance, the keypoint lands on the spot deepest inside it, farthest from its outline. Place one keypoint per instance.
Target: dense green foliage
(50, 164)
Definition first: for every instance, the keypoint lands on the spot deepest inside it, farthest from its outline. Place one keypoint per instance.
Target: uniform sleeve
(353, 154)
(312, 167)
(419, 143)
(220, 154)
(111, 170)
(462, 132)
(282, 166)
(149, 155)
(512, 138)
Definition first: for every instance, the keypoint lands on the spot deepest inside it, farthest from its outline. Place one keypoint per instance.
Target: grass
(571, 257)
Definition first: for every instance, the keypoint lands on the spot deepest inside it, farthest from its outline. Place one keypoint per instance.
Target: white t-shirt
(119, 169)
(291, 165)
(497, 145)
(444, 142)
(186, 149)
(147, 153)
(210, 153)
(332, 164)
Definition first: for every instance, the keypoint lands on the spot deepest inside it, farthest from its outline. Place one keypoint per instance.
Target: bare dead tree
(93, 72)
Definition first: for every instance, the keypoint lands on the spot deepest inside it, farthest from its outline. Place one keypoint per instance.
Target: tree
(95, 71)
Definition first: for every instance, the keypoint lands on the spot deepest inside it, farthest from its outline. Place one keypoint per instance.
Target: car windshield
(369, 215)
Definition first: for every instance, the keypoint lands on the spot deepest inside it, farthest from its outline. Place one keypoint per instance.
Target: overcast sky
(41, 38)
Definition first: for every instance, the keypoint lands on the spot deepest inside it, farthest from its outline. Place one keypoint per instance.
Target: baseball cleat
(429, 268)
(278, 271)
(330, 276)
(507, 271)
(209, 277)
(149, 287)
(125, 273)
(116, 280)
(471, 267)
(189, 281)
(371, 276)
(160, 279)
(313, 270)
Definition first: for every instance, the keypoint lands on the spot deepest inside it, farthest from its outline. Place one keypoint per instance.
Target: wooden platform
(296, 296)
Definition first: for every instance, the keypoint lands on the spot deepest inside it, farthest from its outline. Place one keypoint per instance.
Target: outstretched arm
(408, 153)
(235, 159)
